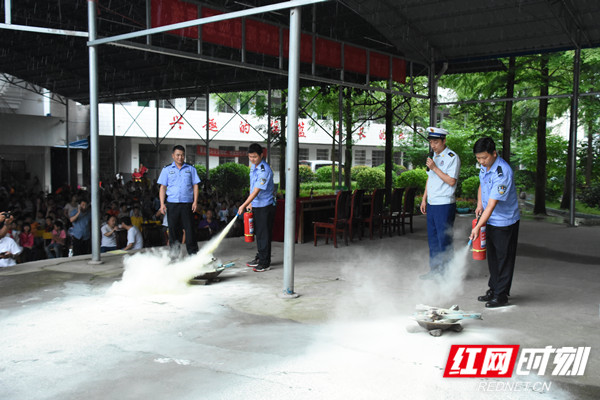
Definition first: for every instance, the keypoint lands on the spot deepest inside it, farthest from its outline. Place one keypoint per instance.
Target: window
(198, 103)
(398, 157)
(360, 157)
(190, 154)
(244, 160)
(223, 160)
(303, 154)
(275, 158)
(322, 154)
(377, 157)
(223, 107)
(165, 103)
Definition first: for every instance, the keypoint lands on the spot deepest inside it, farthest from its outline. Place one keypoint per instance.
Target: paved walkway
(68, 331)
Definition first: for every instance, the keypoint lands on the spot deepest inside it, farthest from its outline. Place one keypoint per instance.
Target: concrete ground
(71, 330)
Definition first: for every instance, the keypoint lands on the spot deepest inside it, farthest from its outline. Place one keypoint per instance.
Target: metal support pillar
(573, 133)
(291, 157)
(207, 133)
(94, 158)
(433, 89)
(158, 168)
(67, 140)
(269, 129)
(114, 130)
(148, 20)
(340, 126)
(7, 11)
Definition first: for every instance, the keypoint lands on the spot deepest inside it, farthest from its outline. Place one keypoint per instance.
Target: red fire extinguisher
(479, 244)
(249, 226)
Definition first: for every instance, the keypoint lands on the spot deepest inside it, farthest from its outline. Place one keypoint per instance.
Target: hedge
(470, 187)
(413, 178)
(323, 174)
(370, 179)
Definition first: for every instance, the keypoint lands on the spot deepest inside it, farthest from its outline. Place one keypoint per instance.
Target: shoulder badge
(451, 154)
(501, 190)
(262, 167)
(500, 173)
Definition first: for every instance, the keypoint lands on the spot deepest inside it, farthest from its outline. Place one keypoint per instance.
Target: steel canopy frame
(293, 93)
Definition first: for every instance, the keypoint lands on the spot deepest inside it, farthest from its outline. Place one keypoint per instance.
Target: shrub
(323, 174)
(591, 195)
(465, 173)
(470, 204)
(554, 188)
(524, 180)
(305, 174)
(231, 178)
(201, 169)
(396, 169)
(470, 187)
(413, 178)
(357, 169)
(371, 178)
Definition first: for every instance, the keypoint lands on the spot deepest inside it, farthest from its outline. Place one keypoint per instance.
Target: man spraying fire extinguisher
(498, 207)
(261, 201)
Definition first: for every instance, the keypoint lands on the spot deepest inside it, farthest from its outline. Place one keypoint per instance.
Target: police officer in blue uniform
(262, 203)
(179, 196)
(498, 207)
(438, 202)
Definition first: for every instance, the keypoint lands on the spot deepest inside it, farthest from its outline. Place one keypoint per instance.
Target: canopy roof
(469, 35)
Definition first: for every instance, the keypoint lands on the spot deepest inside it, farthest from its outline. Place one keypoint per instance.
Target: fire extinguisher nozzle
(470, 241)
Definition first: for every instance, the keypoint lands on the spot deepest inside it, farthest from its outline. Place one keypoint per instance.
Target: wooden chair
(376, 213)
(408, 209)
(338, 223)
(356, 213)
(394, 217)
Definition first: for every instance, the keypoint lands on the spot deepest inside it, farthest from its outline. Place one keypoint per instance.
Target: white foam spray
(455, 273)
(443, 289)
(152, 272)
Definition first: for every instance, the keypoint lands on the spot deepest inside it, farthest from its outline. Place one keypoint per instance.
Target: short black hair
(59, 224)
(255, 148)
(484, 145)
(126, 221)
(178, 147)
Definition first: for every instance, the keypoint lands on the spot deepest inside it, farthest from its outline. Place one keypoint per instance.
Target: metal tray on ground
(210, 276)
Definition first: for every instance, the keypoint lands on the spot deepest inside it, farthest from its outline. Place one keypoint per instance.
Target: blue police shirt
(261, 176)
(498, 184)
(179, 182)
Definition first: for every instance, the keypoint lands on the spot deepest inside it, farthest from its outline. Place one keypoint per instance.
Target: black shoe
(489, 295)
(499, 301)
(262, 268)
(253, 263)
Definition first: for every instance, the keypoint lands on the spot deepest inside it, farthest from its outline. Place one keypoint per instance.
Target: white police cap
(436, 133)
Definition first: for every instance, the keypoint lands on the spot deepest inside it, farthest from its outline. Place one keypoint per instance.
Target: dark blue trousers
(501, 255)
(264, 217)
(440, 221)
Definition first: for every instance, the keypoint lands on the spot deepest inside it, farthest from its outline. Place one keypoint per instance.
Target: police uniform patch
(501, 189)
(262, 167)
(451, 154)
(442, 162)
(263, 181)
